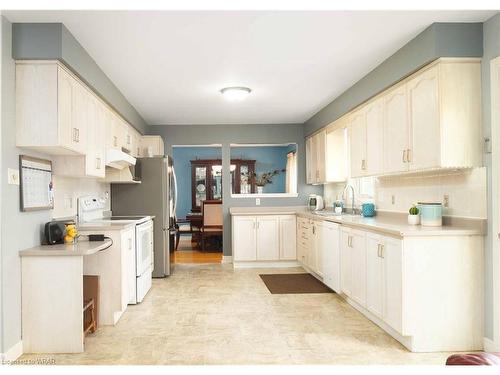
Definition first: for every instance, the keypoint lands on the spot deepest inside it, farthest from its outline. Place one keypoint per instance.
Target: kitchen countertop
(385, 222)
(80, 248)
(104, 226)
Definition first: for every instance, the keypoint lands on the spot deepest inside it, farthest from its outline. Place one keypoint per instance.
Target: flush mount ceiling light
(235, 94)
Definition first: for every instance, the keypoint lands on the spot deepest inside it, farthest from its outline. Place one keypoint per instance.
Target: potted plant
(414, 215)
(263, 179)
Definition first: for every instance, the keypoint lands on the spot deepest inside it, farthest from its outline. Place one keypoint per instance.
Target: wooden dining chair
(211, 211)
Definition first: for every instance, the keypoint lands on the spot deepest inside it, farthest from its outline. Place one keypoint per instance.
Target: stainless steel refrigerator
(155, 195)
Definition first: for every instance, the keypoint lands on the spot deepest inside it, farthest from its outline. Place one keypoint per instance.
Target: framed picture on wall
(36, 188)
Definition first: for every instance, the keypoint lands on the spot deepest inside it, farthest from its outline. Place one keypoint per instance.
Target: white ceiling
(171, 65)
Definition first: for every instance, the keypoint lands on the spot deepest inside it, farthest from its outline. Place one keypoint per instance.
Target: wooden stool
(88, 307)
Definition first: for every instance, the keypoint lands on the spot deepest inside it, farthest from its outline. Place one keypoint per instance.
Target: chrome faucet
(344, 197)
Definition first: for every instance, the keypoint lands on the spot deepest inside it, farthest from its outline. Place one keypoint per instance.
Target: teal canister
(431, 214)
(368, 209)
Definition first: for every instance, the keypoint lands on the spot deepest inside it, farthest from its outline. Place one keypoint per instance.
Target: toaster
(55, 232)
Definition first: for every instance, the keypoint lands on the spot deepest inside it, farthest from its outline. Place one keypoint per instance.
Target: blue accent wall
(267, 158)
(182, 164)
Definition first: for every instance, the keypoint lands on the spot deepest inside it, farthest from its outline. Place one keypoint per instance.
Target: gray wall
(20, 230)
(438, 40)
(53, 41)
(227, 134)
(491, 50)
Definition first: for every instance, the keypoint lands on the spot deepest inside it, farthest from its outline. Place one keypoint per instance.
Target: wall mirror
(264, 170)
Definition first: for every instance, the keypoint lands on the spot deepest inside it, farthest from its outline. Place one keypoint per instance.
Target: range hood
(118, 159)
(122, 176)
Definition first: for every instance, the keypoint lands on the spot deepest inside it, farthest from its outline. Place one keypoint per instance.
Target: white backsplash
(67, 190)
(466, 191)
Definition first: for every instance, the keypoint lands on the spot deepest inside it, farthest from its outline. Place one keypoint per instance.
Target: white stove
(92, 209)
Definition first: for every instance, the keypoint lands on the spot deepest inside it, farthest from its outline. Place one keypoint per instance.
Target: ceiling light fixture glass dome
(235, 94)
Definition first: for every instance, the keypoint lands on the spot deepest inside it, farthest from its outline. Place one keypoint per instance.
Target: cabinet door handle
(378, 250)
(78, 135)
(98, 163)
(408, 156)
(314, 230)
(382, 248)
(363, 164)
(115, 141)
(128, 139)
(404, 156)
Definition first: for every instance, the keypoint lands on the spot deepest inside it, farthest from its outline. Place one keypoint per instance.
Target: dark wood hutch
(206, 179)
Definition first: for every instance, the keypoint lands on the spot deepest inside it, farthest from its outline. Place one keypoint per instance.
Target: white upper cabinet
(95, 157)
(423, 105)
(366, 134)
(46, 116)
(316, 158)
(320, 156)
(433, 119)
(336, 153)
(374, 119)
(395, 131)
(310, 161)
(357, 136)
(59, 115)
(430, 120)
(151, 144)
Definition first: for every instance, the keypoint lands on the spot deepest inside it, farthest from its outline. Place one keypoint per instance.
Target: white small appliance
(91, 209)
(315, 202)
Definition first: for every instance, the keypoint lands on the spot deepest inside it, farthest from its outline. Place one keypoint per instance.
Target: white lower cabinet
(392, 255)
(264, 238)
(244, 238)
(371, 273)
(358, 266)
(353, 264)
(310, 238)
(268, 240)
(287, 239)
(374, 275)
(384, 279)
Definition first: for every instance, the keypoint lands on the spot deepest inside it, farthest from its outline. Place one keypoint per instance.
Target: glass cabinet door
(200, 184)
(245, 186)
(216, 182)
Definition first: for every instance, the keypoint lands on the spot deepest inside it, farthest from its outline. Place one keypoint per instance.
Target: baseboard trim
(227, 259)
(12, 354)
(263, 264)
(490, 345)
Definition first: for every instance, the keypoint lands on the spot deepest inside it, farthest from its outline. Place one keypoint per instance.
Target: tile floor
(212, 314)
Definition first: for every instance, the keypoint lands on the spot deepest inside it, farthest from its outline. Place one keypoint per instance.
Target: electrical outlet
(257, 201)
(13, 176)
(393, 199)
(446, 201)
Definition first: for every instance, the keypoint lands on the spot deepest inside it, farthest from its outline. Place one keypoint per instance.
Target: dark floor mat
(294, 283)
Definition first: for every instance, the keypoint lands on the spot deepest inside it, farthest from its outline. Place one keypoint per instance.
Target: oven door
(144, 246)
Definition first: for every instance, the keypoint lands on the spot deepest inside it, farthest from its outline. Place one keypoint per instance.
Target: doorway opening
(199, 219)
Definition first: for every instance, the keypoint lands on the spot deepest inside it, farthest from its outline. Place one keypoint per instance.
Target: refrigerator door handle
(174, 215)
